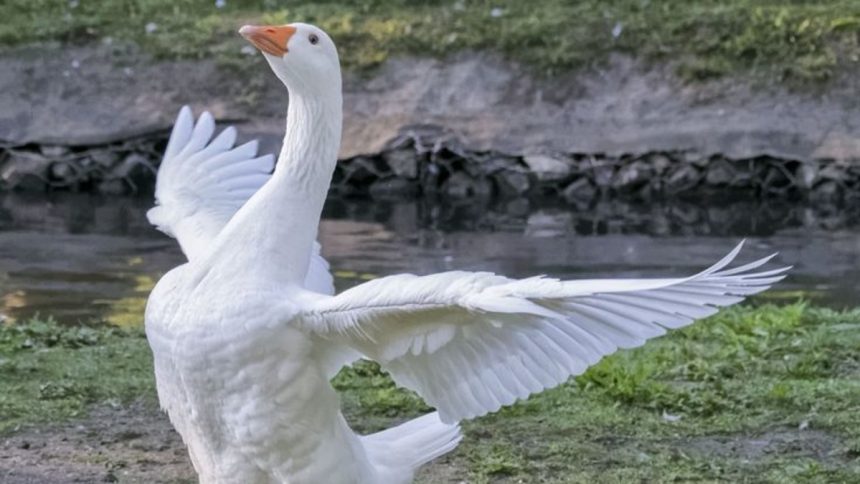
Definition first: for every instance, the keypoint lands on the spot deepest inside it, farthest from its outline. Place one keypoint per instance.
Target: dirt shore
(137, 445)
(73, 95)
(133, 445)
(419, 126)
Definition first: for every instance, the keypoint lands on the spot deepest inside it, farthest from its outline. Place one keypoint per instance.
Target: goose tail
(398, 452)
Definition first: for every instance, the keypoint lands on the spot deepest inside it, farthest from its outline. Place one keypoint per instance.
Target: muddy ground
(136, 444)
(123, 444)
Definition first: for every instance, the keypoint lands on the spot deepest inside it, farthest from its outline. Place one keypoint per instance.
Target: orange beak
(269, 39)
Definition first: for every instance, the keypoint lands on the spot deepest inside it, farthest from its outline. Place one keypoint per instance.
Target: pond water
(78, 257)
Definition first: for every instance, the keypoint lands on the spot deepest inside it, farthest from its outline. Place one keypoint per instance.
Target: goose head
(302, 56)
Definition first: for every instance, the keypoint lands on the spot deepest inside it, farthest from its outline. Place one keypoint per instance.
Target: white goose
(247, 334)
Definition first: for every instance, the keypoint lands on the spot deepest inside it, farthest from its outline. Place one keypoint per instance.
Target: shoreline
(416, 126)
(415, 167)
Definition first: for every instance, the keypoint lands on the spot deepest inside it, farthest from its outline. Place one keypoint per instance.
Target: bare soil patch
(136, 444)
(131, 445)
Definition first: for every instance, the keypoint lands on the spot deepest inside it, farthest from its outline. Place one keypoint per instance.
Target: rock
(659, 162)
(496, 163)
(603, 175)
(403, 162)
(394, 188)
(23, 169)
(719, 173)
(104, 157)
(129, 163)
(744, 174)
(141, 178)
(447, 167)
(827, 191)
(578, 178)
(61, 171)
(519, 207)
(361, 170)
(461, 185)
(807, 175)
(345, 190)
(632, 176)
(53, 152)
(597, 168)
(834, 172)
(483, 188)
(777, 181)
(512, 183)
(647, 191)
(113, 187)
(136, 172)
(429, 178)
(579, 190)
(548, 168)
(696, 159)
(458, 185)
(683, 178)
(472, 166)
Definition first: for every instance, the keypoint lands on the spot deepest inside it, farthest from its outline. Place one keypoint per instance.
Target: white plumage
(202, 182)
(469, 343)
(247, 334)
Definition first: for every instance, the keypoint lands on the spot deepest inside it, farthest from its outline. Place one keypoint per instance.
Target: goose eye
(313, 39)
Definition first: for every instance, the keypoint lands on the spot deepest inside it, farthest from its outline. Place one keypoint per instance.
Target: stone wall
(116, 168)
(472, 124)
(414, 166)
(420, 164)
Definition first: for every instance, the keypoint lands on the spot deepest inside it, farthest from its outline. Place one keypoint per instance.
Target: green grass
(792, 40)
(692, 406)
(755, 394)
(50, 372)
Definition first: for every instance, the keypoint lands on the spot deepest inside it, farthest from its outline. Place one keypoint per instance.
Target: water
(78, 257)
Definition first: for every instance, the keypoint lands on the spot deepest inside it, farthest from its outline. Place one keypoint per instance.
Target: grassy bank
(763, 393)
(803, 40)
(50, 372)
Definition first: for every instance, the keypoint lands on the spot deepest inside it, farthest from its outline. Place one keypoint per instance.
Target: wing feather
(203, 181)
(469, 343)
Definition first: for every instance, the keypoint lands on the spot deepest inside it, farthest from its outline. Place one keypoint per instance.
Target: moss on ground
(755, 394)
(50, 372)
(794, 40)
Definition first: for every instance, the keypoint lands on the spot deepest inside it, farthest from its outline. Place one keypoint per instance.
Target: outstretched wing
(469, 343)
(203, 181)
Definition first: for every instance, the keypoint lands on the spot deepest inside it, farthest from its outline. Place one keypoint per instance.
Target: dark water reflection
(78, 257)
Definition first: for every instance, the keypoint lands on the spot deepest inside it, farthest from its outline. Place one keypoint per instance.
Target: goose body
(247, 334)
(250, 399)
